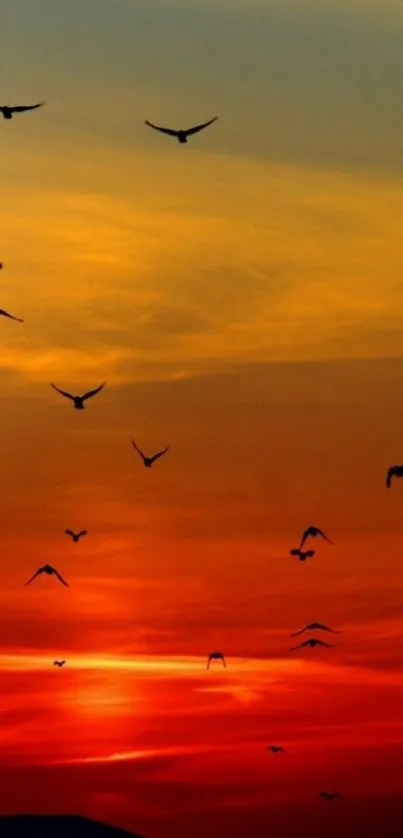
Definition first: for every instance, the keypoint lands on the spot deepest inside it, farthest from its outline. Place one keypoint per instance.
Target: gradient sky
(242, 296)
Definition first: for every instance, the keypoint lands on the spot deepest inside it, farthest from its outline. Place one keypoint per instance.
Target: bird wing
(160, 453)
(69, 532)
(322, 643)
(37, 573)
(301, 631)
(295, 552)
(60, 577)
(20, 108)
(139, 451)
(305, 535)
(320, 532)
(11, 316)
(63, 392)
(323, 628)
(170, 131)
(83, 532)
(294, 649)
(93, 392)
(224, 661)
(197, 128)
(310, 553)
(394, 471)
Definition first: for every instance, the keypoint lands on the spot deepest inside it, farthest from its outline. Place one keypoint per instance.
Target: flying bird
(329, 796)
(11, 316)
(79, 400)
(276, 749)
(148, 461)
(216, 656)
(394, 471)
(8, 111)
(301, 555)
(59, 663)
(182, 134)
(314, 627)
(51, 571)
(76, 535)
(312, 642)
(313, 532)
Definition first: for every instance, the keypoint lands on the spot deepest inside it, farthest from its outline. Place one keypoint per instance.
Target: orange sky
(242, 298)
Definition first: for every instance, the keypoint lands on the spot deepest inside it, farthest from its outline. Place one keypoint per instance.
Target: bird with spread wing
(181, 134)
(8, 111)
(393, 471)
(314, 627)
(148, 461)
(79, 400)
(216, 656)
(313, 532)
(50, 571)
(311, 643)
(75, 536)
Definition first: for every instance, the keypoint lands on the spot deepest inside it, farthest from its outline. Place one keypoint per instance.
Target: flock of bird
(312, 532)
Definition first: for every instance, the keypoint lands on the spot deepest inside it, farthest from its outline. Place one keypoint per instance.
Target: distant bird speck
(216, 656)
(8, 111)
(50, 571)
(313, 532)
(79, 400)
(75, 536)
(394, 471)
(59, 663)
(276, 749)
(314, 627)
(148, 461)
(181, 134)
(330, 796)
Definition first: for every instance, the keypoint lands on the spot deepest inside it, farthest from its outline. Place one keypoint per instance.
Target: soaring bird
(59, 663)
(51, 571)
(394, 471)
(216, 656)
(312, 642)
(182, 134)
(148, 461)
(301, 555)
(76, 535)
(313, 532)
(314, 627)
(276, 749)
(11, 316)
(79, 400)
(329, 796)
(8, 111)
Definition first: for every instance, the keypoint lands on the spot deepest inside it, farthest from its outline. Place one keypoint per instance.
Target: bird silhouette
(182, 134)
(8, 111)
(313, 532)
(11, 316)
(301, 555)
(79, 400)
(75, 536)
(394, 471)
(216, 656)
(276, 749)
(148, 461)
(59, 663)
(51, 571)
(312, 642)
(314, 627)
(329, 796)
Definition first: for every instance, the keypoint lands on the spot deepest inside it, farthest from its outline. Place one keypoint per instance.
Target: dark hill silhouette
(58, 826)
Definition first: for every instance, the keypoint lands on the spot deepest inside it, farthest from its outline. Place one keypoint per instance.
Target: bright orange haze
(242, 297)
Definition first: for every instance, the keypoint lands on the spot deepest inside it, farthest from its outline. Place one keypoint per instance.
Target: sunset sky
(242, 296)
